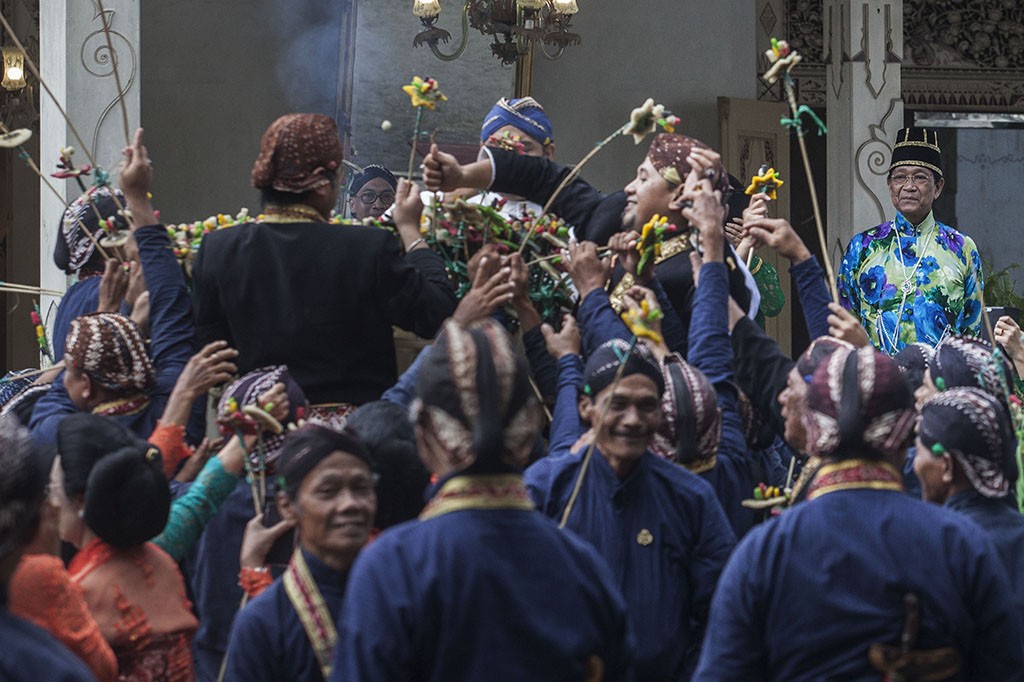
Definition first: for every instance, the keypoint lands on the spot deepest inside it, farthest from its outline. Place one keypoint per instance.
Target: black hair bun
(127, 499)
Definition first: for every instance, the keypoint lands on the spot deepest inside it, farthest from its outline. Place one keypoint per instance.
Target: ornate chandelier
(515, 26)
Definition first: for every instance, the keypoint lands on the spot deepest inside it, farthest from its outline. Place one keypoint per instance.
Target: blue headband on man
(525, 114)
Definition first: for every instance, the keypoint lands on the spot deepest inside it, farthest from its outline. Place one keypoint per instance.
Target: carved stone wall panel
(957, 55)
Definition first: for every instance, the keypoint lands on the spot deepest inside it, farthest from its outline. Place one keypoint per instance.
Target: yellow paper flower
(424, 93)
(639, 320)
(767, 181)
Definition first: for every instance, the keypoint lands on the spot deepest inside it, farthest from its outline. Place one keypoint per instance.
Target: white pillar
(863, 48)
(77, 66)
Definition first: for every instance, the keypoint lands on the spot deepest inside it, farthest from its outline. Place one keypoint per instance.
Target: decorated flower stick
(423, 93)
(17, 138)
(642, 121)
(766, 181)
(651, 236)
(35, 72)
(597, 429)
(782, 59)
(67, 171)
(71, 124)
(557, 257)
(37, 322)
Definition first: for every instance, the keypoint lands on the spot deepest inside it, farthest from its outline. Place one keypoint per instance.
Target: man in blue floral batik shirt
(913, 278)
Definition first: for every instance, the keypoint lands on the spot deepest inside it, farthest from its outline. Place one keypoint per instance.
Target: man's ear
(586, 408)
(947, 468)
(285, 507)
(939, 186)
(675, 202)
(549, 150)
(87, 387)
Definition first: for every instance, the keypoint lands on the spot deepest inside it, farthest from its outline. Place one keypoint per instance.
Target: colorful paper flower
(668, 123)
(639, 321)
(643, 120)
(652, 234)
(781, 57)
(508, 141)
(424, 93)
(766, 181)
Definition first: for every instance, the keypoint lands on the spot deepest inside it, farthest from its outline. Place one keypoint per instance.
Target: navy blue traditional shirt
(805, 595)
(173, 339)
(30, 654)
(663, 533)
(212, 571)
(81, 298)
(711, 353)
(268, 641)
(1005, 526)
(476, 593)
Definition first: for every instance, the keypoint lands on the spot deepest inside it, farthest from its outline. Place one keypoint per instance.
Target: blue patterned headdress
(525, 114)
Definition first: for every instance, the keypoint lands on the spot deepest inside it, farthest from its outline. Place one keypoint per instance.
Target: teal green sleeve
(192, 511)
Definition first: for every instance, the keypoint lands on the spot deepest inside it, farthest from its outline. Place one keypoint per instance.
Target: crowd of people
(230, 477)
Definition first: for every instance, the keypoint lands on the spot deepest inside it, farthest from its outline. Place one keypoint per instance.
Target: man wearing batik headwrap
(213, 570)
(913, 278)
(326, 489)
(657, 188)
(964, 441)
(28, 652)
(966, 361)
(110, 370)
(75, 253)
(702, 429)
(450, 597)
(823, 591)
(293, 289)
(520, 126)
(658, 525)
(372, 192)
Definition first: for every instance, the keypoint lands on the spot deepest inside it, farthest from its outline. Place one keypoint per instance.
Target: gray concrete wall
(683, 54)
(990, 164)
(386, 60)
(215, 75)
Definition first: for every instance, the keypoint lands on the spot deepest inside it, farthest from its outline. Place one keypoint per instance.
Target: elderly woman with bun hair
(114, 498)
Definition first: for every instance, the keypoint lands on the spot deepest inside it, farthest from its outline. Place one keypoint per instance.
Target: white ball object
(385, 125)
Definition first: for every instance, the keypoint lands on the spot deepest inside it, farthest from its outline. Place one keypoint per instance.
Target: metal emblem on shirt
(644, 537)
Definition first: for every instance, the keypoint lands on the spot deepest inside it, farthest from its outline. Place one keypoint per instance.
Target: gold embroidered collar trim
(499, 491)
(295, 213)
(854, 474)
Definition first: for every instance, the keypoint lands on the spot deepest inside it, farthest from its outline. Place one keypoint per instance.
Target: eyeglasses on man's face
(918, 179)
(369, 197)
